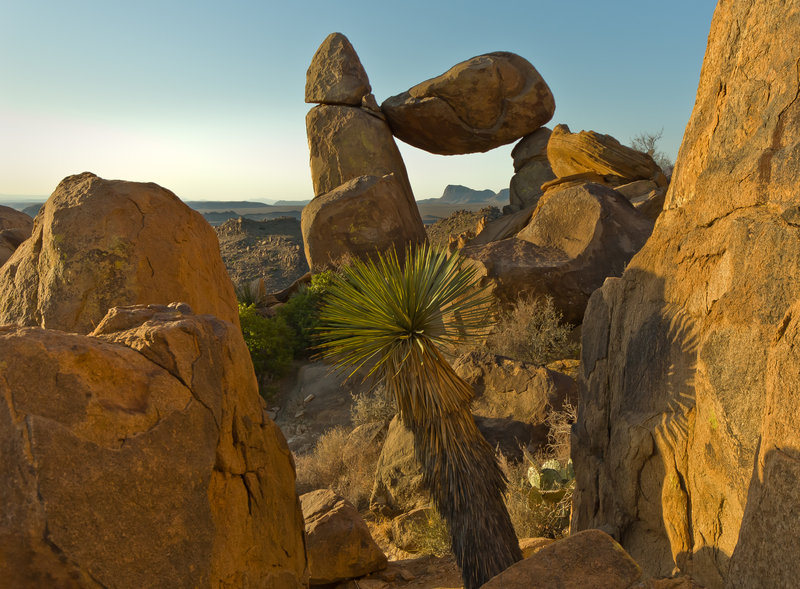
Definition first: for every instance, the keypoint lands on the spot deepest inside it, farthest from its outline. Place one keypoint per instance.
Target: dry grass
(343, 462)
(532, 332)
(372, 406)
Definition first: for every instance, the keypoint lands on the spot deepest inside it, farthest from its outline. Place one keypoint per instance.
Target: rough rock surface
(586, 559)
(532, 169)
(346, 142)
(588, 151)
(508, 388)
(476, 105)
(575, 239)
(336, 75)
(100, 243)
(676, 378)
(363, 216)
(15, 227)
(339, 543)
(140, 456)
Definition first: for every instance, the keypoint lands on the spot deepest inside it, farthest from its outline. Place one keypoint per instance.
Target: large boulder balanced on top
(531, 170)
(140, 456)
(576, 237)
(678, 386)
(98, 244)
(357, 171)
(588, 151)
(339, 543)
(15, 227)
(476, 105)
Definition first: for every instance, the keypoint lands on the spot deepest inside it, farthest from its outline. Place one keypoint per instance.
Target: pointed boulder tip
(336, 75)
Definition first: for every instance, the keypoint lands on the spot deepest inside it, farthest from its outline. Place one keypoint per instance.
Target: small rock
(300, 414)
(308, 399)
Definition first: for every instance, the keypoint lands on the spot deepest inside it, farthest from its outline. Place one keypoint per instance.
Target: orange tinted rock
(15, 227)
(339, 543)
(476, 105)
(587, 559)
(676, 370)
(336, 75)
(142, 458)
(100, 243)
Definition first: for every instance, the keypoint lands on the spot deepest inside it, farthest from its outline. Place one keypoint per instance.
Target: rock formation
(339, 543)
(140, 456)
(100, 243)
(356, 169)
(588, 151)
(678, 388)
(531, 170)
(15, 227)
(476, 105)
(576, 237)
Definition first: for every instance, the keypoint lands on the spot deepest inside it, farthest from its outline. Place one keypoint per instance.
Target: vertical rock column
(363, 201)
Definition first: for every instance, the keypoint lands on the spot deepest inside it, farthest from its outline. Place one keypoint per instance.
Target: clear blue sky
(206, 98)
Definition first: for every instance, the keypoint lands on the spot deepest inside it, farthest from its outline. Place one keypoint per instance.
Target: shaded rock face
(357, 172)
(336, 75)
(588, 151)
(140, 456)
(339, 543)
(360, 218)
(587, 559)
(15, 227)
(477, 105)
(98, 244)
(677, 380)
(575, 238)
(531, 170)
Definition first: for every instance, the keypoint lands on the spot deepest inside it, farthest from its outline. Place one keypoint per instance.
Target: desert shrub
(532, 331)
(535, 514)
(342, 462)
(430, 535)
(251, 292)
(560, 435)
(301, 313)
(372, 406)
(269, 340)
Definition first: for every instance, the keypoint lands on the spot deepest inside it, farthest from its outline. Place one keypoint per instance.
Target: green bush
(270, 341)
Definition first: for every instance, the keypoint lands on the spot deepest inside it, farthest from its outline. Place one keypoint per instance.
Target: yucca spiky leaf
(396, 318)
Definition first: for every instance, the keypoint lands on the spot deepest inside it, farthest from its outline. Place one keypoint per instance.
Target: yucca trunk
(459, 467)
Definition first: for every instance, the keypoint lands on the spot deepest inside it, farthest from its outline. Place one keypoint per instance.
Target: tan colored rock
(576, 238)
(531, 148)
(363, 216)
(576, 180)
(588, 151)
(407, 527)
(508, 388)
(676, 377)
(15, 227)
(636, 189)
(526, 185)
(504, 227)
(339, 543)
(336, 75)
(347, 142)
(651, 204)
(476, 105)
(100, 243)
(531, 546)
(142, 458)
(586, 559)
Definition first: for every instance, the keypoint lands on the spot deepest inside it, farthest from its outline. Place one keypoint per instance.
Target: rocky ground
(457, 223)
(271, 249)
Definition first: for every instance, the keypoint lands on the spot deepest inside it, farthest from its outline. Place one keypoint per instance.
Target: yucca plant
(396, 319)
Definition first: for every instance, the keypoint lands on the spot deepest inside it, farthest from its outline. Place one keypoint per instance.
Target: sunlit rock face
(681, 368)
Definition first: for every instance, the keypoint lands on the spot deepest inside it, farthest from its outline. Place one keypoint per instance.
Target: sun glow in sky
(206, 98)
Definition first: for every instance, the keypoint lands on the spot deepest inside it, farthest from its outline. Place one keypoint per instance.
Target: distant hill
(225, 205)
(290, 203)
(455, 194)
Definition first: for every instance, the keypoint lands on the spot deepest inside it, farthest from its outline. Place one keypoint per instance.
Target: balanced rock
(477, 105)
(576, 238)
(336, 75)
(100, 243)
(140, 456)
(15, 227)
(680, 392)
(339, 543)
(532, 169)
(586, 559)
(588, 151)
(365, 215)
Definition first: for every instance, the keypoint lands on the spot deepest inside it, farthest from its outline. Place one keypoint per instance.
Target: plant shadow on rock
(631, 439)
